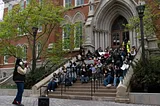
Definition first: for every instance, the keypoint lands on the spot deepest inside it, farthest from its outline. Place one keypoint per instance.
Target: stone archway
(105, 16)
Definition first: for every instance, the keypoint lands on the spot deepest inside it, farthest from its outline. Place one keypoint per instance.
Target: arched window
(66, 36)
(78, 34)
(18, 50)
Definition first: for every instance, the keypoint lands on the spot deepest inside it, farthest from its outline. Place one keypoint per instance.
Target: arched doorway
(118, 33)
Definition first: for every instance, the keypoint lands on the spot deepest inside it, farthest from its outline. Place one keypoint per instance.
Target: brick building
(100, 25)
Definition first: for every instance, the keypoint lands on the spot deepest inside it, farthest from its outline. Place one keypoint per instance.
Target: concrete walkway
(31, 101)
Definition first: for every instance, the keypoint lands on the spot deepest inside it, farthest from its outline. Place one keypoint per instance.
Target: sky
(1, 9)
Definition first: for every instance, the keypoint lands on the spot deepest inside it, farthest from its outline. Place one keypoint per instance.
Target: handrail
(133, 59)
(122, 89)
(37, 86)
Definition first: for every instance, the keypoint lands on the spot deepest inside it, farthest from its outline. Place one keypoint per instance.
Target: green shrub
(146, 75)
(9, 86)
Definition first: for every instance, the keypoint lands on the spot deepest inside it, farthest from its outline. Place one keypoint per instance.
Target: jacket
(19, 74)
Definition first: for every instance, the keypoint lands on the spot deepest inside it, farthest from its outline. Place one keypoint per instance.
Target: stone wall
(12, 92)
(145, 98)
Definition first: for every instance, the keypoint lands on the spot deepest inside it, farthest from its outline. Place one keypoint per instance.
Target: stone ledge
(145, 98)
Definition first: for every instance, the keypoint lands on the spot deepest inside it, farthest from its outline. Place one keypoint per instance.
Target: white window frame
(76, 1)
(22, 4)
(40, 29)
(38, 49)
(10, 6)
(5, 58)
(64, 3)
(27, 2)
(21, 34)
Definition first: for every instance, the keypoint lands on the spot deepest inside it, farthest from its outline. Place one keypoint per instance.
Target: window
(78, 35)
(25, 53)
(10, 7)
(67, 3)
(38, 50)
(66, 36)
(19, 30)
(40, 29)
(27, 2)
(79, 2)
(116, 39)
(6, 59)
(22, 4)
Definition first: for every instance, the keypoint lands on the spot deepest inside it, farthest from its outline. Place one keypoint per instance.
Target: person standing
(19, 78)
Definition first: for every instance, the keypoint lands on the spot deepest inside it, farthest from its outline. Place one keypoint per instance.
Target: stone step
(89, 83)
(102, 94)
(89, 86)
(82, 97)
(86, 90)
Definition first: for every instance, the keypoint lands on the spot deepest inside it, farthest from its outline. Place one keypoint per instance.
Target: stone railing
(122, 94)
(36, 88)
(8, 79)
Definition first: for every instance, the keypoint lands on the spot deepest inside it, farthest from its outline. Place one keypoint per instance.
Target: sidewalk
(31, 101)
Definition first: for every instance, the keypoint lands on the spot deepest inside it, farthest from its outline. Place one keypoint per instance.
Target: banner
(1, 9)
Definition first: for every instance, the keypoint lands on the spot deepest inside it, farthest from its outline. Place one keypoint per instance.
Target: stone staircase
(83, 92)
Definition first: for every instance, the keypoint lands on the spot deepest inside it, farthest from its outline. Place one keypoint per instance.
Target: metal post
(140, 10)
(91, 89)
(94, 82)
(142, 38)
(34, 48)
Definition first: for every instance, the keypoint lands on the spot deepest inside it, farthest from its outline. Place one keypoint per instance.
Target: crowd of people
(111, 65)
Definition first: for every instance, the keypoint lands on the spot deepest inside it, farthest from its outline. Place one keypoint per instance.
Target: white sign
(1, 9)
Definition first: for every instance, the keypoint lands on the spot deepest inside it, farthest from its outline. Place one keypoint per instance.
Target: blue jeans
(115, 80)
(20, 89)
(84, 79)
(52, 85)
(107, 80)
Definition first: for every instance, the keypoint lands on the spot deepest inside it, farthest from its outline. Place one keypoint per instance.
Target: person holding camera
(19, 78)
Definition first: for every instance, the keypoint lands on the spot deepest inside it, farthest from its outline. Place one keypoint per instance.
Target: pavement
(33, 101)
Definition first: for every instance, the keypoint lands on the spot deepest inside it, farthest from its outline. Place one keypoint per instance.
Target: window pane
(66, 36)
(80, 2)
(78, 35)
(25, 53)
(116, 39)
(68, 3)
(22, 4)
(38, 49)
(6, 59)
(10, 7)
(27, 2)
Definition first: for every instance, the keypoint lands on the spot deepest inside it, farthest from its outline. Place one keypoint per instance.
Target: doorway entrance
(118, 33)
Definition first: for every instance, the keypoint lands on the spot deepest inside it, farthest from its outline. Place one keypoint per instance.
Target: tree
(18, 22)
(150, 19)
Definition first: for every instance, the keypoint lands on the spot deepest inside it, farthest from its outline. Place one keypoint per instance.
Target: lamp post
(34, 29)
(140, 10)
